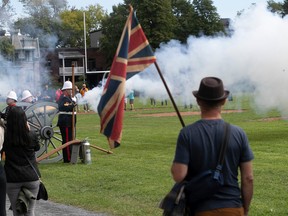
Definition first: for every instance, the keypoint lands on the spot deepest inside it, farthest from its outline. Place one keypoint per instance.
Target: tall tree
(5, 13)
(72, 25)
(36, 7)
(94, 17)
(55, 25)
(285, 7)
(72, 29)
(156, 18)
(112, 29)
(6, 48)
(208, 22)
(185, 15)
(275, 7)
(43, 20)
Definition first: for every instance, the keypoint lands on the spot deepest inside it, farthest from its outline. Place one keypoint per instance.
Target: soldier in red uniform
(66, 106)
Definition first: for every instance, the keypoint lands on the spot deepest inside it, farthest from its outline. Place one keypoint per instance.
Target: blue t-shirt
(198, 146)
(131, 95)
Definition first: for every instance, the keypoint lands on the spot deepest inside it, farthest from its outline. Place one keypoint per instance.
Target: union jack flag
(133, 55)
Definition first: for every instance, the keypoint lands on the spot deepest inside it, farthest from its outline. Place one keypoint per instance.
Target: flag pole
(73, 94)
(169, 93)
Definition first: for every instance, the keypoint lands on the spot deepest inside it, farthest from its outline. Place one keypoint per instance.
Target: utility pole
(85, 46)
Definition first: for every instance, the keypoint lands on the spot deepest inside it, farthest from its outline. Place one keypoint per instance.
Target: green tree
(5, 13)
(185, 15)
(208, 21)
(72, 29)
(94, 17)
(285, 7)
(51, 7)
(162, 20)
(280, 8)
(6, 48)
(55, 25)
(155, 17)
(112, 28)
(43, 20)
(275, 7)
(72, 25)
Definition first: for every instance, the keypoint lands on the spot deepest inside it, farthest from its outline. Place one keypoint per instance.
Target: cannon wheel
(42, 118)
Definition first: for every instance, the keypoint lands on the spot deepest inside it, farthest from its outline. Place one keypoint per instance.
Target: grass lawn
(133, 180)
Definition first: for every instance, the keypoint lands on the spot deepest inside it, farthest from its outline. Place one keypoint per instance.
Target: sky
(225, 8)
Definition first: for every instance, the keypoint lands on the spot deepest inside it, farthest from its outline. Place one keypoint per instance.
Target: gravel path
(48, 208)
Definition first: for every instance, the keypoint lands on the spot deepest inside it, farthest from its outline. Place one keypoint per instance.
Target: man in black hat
(197, 151)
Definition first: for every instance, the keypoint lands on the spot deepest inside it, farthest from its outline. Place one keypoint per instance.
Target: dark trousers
(2, 191)
(66, 133)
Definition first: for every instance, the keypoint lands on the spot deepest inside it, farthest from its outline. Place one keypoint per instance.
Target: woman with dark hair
(2, 175)
(20, 145)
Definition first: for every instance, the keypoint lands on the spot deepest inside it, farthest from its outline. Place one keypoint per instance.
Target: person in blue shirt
(197, 150)
(131, 99)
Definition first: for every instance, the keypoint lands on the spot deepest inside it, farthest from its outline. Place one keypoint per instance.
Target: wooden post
(73, 94)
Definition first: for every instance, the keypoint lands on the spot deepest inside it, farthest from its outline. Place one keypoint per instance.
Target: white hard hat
(26, 94)
(67, 85)
(12, 95)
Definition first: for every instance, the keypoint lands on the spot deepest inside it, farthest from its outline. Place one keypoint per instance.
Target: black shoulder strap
(31, 164)
(226, 136)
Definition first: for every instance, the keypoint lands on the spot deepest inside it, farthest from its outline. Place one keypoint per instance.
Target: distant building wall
(95, 38)
(25, 65)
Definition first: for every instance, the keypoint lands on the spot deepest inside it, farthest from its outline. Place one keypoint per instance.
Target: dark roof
(71, 54)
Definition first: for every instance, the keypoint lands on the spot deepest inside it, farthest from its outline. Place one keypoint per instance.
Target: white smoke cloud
(253, 59)
(92, 97)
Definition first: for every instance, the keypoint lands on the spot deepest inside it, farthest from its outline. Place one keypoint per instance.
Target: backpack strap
(226, 135)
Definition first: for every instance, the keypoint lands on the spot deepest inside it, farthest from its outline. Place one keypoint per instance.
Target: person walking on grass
(131, 99)
(83, 91)
(197, 150)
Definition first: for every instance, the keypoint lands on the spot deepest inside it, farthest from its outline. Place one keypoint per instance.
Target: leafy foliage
(5, 13)
(112, 29)
(280, 8)
(43, 20)
(208, 21)
(72, 29)
(53, 23)
(162, 20)
(275, 7)
(73, 25)
(6, 48)
(185, 15)
(156, 19)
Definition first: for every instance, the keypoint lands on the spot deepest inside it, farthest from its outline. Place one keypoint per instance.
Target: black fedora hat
(211, 89)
